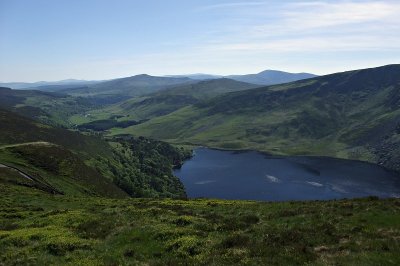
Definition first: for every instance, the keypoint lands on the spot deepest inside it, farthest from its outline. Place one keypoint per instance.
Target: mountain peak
(271, 77)
(142, 75)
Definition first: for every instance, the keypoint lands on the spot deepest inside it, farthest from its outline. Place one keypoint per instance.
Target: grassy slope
(60, 169)
(206, 89)
(77, 164)
(39, 228)
(130, 86)
(349, 115)
(18, 129)
(60, 160)
(51, 108)
(163, 102)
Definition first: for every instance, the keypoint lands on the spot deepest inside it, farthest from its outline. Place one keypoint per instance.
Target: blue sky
(103, 39)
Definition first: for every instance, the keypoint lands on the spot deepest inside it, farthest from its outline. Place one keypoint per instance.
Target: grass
(51, 108)
(57, 168)
(351, 115)
(74, 163)
(38, 228)
(236, 132)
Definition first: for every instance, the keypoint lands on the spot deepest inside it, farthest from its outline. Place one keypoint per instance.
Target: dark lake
(255, 176)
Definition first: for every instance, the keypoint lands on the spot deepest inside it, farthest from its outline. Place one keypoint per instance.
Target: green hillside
(128, 87)
(76, 164)
(50, 108)
(206, 89)
(353, 115)
(16, 129)
(66, 197)
(162, 102)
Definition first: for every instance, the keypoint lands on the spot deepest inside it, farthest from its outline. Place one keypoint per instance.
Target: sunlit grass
(38, 228)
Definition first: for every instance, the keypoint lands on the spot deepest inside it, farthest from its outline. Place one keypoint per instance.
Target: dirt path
(19, 171)
(43, 185)
(42, 143)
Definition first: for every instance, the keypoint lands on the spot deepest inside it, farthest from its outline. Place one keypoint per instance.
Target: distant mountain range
(125, 88)
(48, 85)
(266, 77)
(354, 114)
(136, 84)
(64, 193)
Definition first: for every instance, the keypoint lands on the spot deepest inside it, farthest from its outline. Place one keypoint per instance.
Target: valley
(72, 158)
(350, 115)
(200, 133)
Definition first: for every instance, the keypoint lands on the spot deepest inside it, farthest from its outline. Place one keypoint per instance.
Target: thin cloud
(232, 5)
(324, 14)
(316, 26)
(313, 44)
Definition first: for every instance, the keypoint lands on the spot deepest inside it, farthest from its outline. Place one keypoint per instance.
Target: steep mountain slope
(130, 86)
(271, 77)
(54, 156)
(75, 164)
(16, 129)
(353, 114)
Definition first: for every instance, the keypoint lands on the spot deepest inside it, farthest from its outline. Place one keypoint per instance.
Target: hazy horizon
(98, 40)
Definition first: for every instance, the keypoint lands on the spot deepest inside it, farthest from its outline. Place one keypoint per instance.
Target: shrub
(185, 246)
(250, 219)
(183, 221)
(235, 240)
(96, 228)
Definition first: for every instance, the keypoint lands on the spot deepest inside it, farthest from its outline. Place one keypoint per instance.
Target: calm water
(251, 175)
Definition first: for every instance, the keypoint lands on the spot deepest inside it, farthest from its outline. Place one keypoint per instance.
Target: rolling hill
(271, 77)
(48, 85)
(207, 89)
(165, 101)
(197, 76)
(129, 87)
(138, 109)
(143, 81)
(48, 107)
(353, 114)
(266, 77)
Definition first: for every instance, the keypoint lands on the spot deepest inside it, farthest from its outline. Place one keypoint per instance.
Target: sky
(103, 39)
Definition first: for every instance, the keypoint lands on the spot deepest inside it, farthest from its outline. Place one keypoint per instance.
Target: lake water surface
(255, 176)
